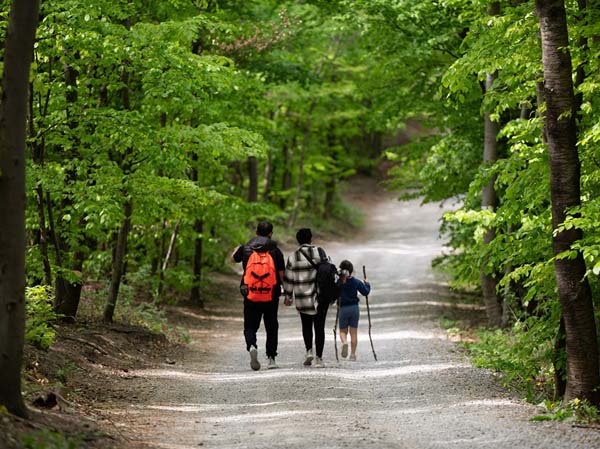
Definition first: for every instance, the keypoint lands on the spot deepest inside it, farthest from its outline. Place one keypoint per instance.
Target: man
(264, 268)
(300, 285)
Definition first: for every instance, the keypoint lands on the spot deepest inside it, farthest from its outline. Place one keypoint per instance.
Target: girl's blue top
(351, 289)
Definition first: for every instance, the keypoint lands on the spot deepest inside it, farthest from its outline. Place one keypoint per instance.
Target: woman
(299, 285)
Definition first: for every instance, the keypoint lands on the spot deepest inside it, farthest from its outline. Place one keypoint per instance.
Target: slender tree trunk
(489, 200)
(298, 196)
(38, 159)
(253, 179)
(560, 371)
(197, 264)
(43, 235)
(286, 180)
(331, 183)
(268, 174)
(118, 261)
(574, 291)
(68, 292)
(165, 264)
(198, 241)
(13, 131)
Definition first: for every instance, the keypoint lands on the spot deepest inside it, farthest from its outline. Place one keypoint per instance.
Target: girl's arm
(364, 288)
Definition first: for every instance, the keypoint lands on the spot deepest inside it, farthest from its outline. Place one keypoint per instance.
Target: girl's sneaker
(352, 357)
(344, 350)
(319, 363)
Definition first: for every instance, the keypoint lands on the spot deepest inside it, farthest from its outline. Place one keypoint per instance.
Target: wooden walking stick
(369, 316)
(337, 317)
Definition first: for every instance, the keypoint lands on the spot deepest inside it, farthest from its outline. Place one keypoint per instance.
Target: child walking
(349, 312)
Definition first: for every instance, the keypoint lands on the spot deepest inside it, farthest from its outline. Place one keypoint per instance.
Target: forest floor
(136, 390)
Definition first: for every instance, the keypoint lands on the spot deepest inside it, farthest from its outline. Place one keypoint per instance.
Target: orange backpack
(260, 277)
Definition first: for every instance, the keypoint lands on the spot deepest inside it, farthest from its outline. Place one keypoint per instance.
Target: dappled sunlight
(450, 305)
(406, 335)
(262, 376)
(210, 317)
(223, 407)
(258, 417)
(489, 403)
(378, 335)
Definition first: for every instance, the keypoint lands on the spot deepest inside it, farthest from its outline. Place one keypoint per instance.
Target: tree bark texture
(118, 262)
(489, 200)
(20, 37)
(573, 289)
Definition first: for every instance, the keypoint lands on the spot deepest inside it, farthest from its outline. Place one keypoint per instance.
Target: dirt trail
(420, 394)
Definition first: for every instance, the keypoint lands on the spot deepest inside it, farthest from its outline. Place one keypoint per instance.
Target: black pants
(253, 312)
(318, 321)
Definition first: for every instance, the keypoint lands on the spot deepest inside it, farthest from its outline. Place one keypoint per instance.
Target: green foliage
(576, 410)
(40, 316)
(46, 439)
(522, 354)
(160, 105)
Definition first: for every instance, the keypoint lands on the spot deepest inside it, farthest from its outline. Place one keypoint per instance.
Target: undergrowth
(46, 439)
(40, 314)
(576, 410)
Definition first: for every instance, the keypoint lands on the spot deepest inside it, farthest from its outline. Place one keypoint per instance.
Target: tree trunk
(37, 156)
(286, 180)
(253, 179)
(118, 262)
(165, 264)
(298, 196)
(331, 184)
(13, 131)
(268, 174)
(68, 293)
(489, 200)
(197, 264)
(43, 235)
(560, 384)
(573, 288)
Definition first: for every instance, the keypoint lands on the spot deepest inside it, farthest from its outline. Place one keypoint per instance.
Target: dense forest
(153, 132)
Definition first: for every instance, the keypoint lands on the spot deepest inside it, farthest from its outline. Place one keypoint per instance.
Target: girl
(349, 312)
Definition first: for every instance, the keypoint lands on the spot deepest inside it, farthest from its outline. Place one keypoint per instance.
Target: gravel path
(420, 394)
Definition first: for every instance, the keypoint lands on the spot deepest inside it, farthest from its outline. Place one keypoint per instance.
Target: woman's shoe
(309, 357)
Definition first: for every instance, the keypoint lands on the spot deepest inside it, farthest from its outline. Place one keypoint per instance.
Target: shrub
(39, 316)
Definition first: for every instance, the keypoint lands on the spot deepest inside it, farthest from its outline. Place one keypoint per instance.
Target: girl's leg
(353, 340)
(344, 335)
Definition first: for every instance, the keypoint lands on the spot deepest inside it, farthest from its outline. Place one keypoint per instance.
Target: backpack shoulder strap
(322, 254)
(314, 265)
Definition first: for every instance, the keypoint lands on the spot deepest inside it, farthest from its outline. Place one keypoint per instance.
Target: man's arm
(238, 254)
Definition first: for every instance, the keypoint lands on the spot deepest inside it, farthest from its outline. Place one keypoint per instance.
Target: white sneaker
(254, 363)
(272, 364)
(319, 363)
(353, 357)
(344, 350)
(309, 357)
